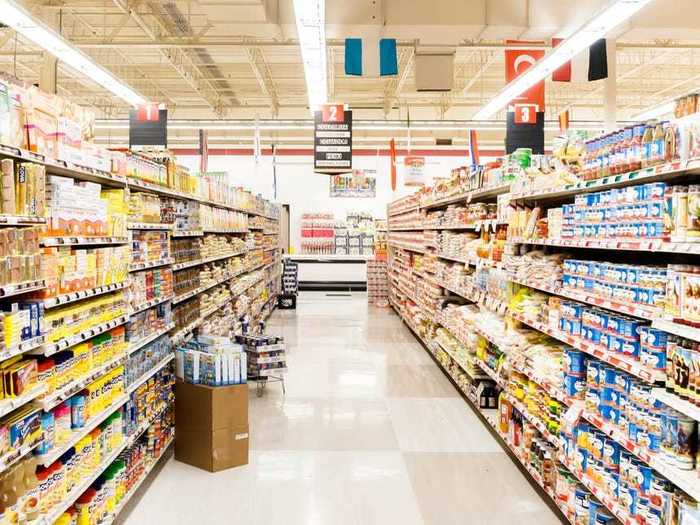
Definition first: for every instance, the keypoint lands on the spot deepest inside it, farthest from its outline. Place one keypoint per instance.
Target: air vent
(443, 142)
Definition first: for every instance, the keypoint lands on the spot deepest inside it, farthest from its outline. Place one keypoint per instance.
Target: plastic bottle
(647, 140)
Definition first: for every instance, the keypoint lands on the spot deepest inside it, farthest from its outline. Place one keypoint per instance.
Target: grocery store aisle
(370, 432)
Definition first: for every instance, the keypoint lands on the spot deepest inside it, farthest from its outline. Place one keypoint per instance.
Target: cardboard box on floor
(211, 425)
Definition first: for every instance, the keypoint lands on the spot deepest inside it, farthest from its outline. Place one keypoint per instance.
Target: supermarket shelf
(12, 403)
(490, 417)
(225, 230)
(471, 196)
(628, 308)
(198, 262)
(137, 267)
(685, 248)
(150, 304)
(460, 363)
(9, 290)
(253, 227)
(628, 365)
(188, 295)
(81, 487)
(687, 480)
(71, 297)
(409, 229)
(402, 211)
(663, 172)
(158, 189)
(406, 247)
(187, 233)
(82, 241)
(14, 456)
(137, 345)
(474, 261)
(677, 403)
(51, 348)
(55, 398)
(24, 346)
(79, 433)
(21, 220)
(153, 371)
(127, 497)
(685, 331)
(58, 167)
(149, 226)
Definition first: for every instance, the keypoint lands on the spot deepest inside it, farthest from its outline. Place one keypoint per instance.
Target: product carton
(211, 426)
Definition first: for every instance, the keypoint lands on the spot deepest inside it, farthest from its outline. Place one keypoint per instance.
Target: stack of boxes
(211, 360)
(75, 208)
(266, 355)
(377, 283)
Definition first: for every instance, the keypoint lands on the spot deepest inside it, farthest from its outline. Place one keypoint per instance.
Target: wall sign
(361, 184)
(414, 171)
(148, 127)
(333, 140)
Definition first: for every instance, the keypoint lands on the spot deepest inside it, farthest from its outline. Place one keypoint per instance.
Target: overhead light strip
(311, 21)
(14, 16)
(599, 26)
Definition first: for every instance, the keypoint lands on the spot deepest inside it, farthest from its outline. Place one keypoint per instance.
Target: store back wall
(305, 191)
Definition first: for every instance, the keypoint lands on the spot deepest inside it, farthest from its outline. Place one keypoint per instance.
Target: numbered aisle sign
(525, 113)
(333, 140)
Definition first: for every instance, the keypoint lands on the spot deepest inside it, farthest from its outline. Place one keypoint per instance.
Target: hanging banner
(333, 140)
(361, 184)
(392, 159)
(525, 118)
(474, 148)
(414, 171)
(517, 62)
(203, 150)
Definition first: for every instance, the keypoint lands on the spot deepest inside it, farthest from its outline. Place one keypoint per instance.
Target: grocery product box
(211, 426)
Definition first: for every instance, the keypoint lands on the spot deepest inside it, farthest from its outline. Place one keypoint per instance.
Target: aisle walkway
(370, 432)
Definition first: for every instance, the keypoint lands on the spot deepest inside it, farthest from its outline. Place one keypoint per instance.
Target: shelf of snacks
(135, 487)
(71, 297)
(8, 290)
(677, 403)
(149, 374)
(188, 233)
(682, 330)
(137, 267)
(22, 347)
(150, 304)
(199, 262)
(9, 403)
(54, 346)
(149, 226)
(83, 241)
(57, 396)
(52, 454)
(134, 346)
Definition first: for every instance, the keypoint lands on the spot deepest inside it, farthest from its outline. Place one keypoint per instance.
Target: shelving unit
(411, 286)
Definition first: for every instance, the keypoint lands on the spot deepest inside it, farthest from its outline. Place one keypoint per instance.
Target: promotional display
(361, 184)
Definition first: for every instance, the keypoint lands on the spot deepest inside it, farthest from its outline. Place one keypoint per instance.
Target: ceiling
(239, 59)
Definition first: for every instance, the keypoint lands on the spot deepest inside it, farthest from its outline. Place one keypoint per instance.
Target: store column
(610, 104)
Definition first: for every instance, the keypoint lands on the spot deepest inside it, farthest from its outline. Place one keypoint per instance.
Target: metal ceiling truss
(262, 73)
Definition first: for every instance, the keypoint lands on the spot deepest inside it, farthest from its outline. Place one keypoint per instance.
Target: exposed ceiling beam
(394, 87)
(262, 73)
(180, 60)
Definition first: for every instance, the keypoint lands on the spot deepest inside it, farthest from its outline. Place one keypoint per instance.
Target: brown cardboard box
(211, 426)
(212, 451)
(199, 407)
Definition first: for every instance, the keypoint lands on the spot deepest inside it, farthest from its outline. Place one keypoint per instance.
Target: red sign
(525, 114)
(148, 113)
(392, 156)
(333, 113)
(517, 62)
(414, 171)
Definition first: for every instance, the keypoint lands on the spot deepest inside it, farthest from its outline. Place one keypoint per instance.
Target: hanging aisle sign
(333, 140)
(148, 126)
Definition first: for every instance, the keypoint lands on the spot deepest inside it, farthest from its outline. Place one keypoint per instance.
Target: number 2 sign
(525, 114)
(333, 113)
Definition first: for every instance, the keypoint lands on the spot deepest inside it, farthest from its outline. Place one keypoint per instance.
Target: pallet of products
(266, 355)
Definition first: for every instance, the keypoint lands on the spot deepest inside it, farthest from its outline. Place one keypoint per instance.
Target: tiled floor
(370, 432)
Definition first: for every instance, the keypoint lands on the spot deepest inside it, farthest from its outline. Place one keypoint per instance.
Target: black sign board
(333, 144)
(525, 135)
(145, 129)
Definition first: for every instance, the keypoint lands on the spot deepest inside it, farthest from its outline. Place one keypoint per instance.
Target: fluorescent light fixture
(25, 24)
(311, 20)
(667, 108)
(600, 25)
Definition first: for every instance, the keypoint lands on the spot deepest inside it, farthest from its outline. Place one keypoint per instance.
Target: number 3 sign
(525, 114)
